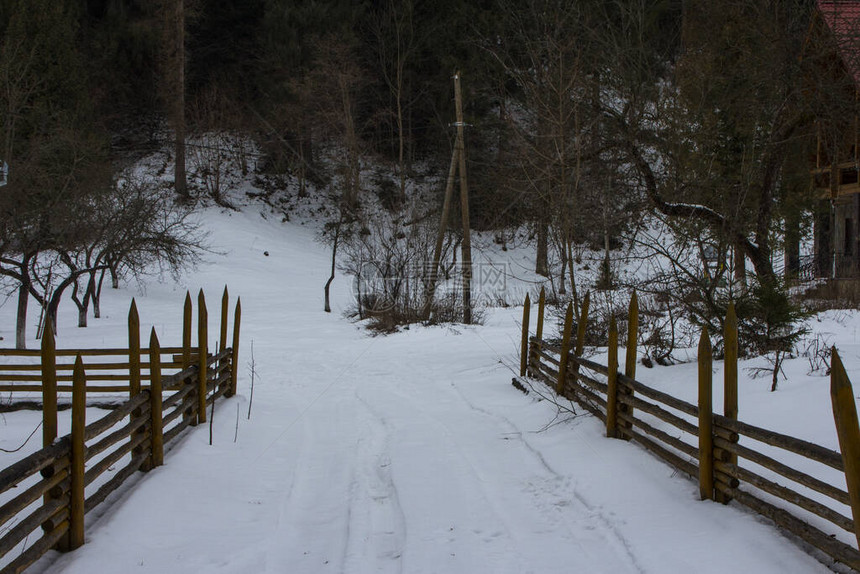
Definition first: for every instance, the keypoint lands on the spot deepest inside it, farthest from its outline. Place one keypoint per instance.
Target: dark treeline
(582, 115)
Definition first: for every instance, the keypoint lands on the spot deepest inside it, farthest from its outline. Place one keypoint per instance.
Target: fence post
(541, 305)
(49, 385)
(202, 342)
(845, 416)
(189, 401)
(630, 362)
(580, 336)
(77, 459)
(524, 347)
(565, 349)
(225, 298)
(186, 332)
(134, 365)
(49, 399)
(155, 402)
(730, 385)
(612, 382)
(133, 351)
(706, 420)
(234, 361)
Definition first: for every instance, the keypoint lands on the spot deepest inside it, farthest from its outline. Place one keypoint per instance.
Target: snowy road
(408, 453)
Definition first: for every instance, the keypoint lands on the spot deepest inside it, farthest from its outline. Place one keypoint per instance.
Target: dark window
(848, 248)
(849, 176)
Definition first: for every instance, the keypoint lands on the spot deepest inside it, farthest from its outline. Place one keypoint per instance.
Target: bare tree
(173, 16)
(396, 42)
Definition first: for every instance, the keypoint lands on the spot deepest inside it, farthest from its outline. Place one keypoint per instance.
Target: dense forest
(580, 117)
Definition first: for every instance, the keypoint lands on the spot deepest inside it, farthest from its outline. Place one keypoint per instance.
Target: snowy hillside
(405, 453)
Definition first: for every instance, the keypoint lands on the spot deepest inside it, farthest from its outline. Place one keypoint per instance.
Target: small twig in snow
(253, 366)
(38, 426)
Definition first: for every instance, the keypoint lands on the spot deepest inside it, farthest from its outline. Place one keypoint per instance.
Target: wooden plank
(596, 367)
(659, 396)
(129, 429)
(827, 544)
(31, 495)
(91, 366)
(56, 454)
(847, 429)
(97, 469)
(596, 400)
(177, 397)
(661, 413)
(176, 431)
(674, 442)
(171, 416)
(549, 358)
(218, 392)
(37, 549)
(798, 446)
(593, 384)
(784, 470)
(68, 388)
(114, 417)
(787, 495)
(29, 523)
(666, 455)
(115, 482)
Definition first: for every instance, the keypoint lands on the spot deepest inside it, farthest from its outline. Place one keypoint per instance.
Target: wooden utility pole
(457, 159)
(440, 237)
(464, 205)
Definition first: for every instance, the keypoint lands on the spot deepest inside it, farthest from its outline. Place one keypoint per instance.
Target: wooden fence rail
(731, 460)
(56, 486)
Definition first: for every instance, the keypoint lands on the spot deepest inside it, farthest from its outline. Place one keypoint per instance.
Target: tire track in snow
(560, 483)
(545, 510)
(377, 523)
(551, 491)
(314, 519)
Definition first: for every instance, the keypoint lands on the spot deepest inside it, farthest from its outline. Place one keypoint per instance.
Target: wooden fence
(730, 459)
(57, 485)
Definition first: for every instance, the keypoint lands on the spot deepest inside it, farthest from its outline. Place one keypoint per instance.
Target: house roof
(843, 19)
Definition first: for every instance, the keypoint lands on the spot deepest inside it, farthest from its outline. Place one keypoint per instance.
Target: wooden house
(836, 170)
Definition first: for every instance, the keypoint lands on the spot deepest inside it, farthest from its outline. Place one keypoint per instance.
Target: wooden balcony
(848, 184)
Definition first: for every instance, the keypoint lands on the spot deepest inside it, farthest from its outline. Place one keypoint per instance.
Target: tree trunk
(327, 307)
(542, 259)
(792, 248)
(562, 278)
(80, 304)
(21, 324)
(179, 175)
(97, 296)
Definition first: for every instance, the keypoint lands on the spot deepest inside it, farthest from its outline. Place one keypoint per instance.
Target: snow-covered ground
(403, 453)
